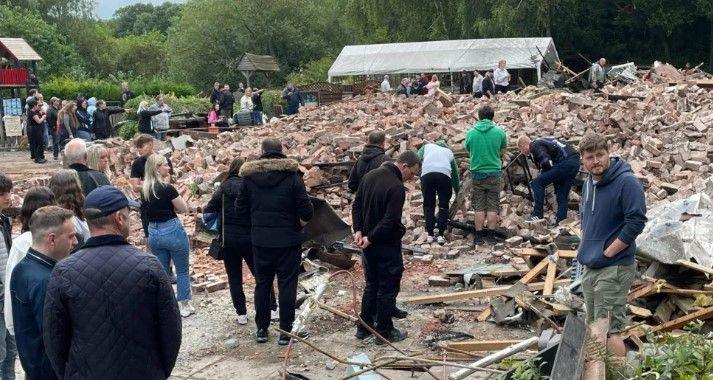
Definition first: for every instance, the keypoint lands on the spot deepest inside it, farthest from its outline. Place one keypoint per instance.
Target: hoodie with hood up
(484, 142)
(274, 196)
(611, 208)
(371, 158)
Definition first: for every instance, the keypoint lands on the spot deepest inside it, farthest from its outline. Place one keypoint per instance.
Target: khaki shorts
(486, 194)
(605, 290)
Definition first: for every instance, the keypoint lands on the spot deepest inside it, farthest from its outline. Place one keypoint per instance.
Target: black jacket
(275, 197)
(293, 98)
(371, 158)
(102, 123)
(378, 205)
(546, 153)
(6, 232)
(28, 287)
(236, 225)
(90, 179)
(110, 313)
(145, 120)
(83, 118)
(52, 119)
(227, 99)
(125, 96)
(257, 102)
(215, 96)
(488, 85)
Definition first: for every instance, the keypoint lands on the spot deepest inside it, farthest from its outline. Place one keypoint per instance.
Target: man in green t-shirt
(486, 143)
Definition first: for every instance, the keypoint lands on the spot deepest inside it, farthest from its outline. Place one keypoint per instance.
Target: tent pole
(451, 74)
(539, 72)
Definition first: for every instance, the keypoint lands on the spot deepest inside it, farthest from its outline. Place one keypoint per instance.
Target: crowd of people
(494, 81)
(223, 100)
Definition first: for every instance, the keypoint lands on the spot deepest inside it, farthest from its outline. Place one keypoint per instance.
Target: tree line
(201, 41)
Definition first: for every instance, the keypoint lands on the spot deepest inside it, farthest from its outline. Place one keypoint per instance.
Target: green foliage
(143, 56)
(313, 71)
(129, 129)
(525, 369)
(685, 357)
(269, 99)
(57, 52)
(67, 88)
(192, 104)
(138, 19)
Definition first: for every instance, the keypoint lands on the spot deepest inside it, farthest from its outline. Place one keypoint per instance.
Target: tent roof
(252, 62)
(19, 49)
(443, 56)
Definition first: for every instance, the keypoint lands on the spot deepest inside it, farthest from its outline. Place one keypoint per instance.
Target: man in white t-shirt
(385, 85)
(501, 77)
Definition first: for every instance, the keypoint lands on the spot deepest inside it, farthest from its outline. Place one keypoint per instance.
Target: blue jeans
(562, 176)
(8, 352)
(56, 139)
(169, 241)
(84, 135)
(257, 117)
(161, 136)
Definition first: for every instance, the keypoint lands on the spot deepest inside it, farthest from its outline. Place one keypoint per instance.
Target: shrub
(129, 129)
(68, 88)
(314, 71)
(689, 356)
(269, 99)
(192, 104)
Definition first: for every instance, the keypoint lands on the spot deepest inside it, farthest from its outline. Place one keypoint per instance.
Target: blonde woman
(433, 85)
(167, 237)
(145, 114)
(98, 158)
(67, 118)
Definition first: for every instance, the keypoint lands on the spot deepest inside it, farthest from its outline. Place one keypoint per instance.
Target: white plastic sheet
(680, 230)
(443, 56)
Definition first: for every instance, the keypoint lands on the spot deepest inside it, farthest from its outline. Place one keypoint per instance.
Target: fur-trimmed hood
(269, 172)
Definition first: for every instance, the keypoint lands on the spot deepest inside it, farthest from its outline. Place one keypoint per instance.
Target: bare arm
(136, 184)
(180, 205)
(615, 247)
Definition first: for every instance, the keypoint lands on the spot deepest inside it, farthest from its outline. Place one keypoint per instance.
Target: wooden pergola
(251, 63)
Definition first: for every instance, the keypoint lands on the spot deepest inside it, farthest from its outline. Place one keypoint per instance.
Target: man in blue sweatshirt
(613, 212)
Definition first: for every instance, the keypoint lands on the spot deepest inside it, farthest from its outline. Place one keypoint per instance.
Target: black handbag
(217, 245)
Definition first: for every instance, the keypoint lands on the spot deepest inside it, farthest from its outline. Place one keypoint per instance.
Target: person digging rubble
(596, 73)
(376, 214)
(53, 237)
(558, 164)
(110, 311)
(274, 195)
(372, 156)
(486, 143)
(613, 212)
(439, 177)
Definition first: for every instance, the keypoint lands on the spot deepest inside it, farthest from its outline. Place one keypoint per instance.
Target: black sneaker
(399, 313)
(261, 336)
(393, 336)
(41, 161)
(478, 239)
(284, 339)
(362, 333)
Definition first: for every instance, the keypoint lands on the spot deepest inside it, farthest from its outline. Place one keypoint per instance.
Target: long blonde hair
(94, 154)
(151, 175)
(67, 109)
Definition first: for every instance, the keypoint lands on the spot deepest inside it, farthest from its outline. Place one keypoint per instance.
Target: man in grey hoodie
(613, 212)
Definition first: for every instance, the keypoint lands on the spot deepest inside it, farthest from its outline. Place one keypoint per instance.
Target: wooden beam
(482, 345)
(550, 279)
(563, 254)
(485, 314)
(695, 266)
(641, 312)
(480, 293)
(702, 315)
(642, 291)
(535, 271)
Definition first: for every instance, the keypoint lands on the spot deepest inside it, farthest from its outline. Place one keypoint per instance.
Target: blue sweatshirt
(612, 208)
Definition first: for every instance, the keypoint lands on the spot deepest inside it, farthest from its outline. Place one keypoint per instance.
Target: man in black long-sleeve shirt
(558, 164)
(376, 214)
(371, 158)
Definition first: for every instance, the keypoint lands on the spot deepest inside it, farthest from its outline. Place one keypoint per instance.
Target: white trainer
(429, 239)
(275, 315)
(243, 319)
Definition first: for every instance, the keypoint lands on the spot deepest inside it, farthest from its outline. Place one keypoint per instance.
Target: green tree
(143, 55)
(58, 54)
(138, 19)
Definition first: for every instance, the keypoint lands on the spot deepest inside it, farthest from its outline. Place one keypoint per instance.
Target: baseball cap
(108, 199)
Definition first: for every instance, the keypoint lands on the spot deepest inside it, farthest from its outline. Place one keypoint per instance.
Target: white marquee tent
(443, 56)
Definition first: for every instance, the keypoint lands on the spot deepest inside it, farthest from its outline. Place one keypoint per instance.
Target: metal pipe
(493, 358)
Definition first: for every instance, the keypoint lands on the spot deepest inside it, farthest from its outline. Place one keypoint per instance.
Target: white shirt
(20, 246)
(436, 159)
(246, 103)
(81, 228)
(385, 86)
(501, 77)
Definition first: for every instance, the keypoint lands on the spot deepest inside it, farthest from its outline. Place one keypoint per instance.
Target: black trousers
(285, 263)
(35, 138)
(383, 268)
(236, 250)
(432, 185)
(499, 89)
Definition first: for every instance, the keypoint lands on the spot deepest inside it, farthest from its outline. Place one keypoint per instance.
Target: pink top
(432, 87)
(213, 117)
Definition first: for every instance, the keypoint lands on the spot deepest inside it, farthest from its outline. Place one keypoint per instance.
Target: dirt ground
(215, 347)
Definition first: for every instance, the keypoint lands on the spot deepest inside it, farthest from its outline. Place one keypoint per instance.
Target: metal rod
(493, 358)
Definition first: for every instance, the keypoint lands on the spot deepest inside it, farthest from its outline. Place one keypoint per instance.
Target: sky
(105, 8)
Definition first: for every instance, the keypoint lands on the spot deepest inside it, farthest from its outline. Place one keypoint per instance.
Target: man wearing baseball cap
(110, 311)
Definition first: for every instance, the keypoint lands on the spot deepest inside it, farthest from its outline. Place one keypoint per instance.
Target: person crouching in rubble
(613, 212)
(558, 164)
(376, 214)
(439, 175)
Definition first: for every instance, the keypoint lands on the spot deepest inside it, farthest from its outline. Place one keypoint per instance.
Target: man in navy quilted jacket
(110, 311)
